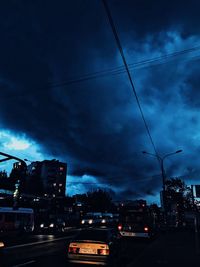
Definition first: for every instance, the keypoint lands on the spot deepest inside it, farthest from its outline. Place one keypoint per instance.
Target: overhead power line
(116, 71)
(136, 65)
(127, 70)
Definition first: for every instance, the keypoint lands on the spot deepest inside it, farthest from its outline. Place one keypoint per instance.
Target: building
(50, 175)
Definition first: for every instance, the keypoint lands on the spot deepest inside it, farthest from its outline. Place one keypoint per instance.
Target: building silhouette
(47, 178)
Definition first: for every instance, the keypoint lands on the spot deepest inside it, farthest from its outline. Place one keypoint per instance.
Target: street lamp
(161, 161)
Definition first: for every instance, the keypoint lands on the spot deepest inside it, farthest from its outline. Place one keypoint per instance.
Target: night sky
(65, 94)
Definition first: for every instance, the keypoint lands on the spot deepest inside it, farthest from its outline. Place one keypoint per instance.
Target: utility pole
(161, 160)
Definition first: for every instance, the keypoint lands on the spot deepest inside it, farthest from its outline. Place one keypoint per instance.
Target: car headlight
(41, 225)
(82, 221)
(103, 221)
(90, 221)
(51, 225)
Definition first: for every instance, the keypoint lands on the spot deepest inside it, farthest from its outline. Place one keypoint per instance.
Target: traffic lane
(28, 252)
(170, 249)
(130, 250)
(18, 239)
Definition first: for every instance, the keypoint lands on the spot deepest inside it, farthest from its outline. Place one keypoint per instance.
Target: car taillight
(119, 227)
(73, 250)
(146, 229)
(103, 251)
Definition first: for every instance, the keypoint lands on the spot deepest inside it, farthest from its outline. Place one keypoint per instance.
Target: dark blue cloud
(95, 125)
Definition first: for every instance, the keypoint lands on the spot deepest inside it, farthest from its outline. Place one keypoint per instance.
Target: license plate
(128, 234)
(87, 251)
(124, 233)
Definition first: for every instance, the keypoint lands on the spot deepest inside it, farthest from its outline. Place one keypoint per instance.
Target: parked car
(99, 246)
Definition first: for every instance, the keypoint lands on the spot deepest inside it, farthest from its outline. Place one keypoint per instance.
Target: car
(107, 219)
(97, 246)
(91, 219)
(2, 245)
(52, 226)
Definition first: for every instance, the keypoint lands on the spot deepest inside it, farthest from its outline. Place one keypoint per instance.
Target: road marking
(38, 243)
(23, 264)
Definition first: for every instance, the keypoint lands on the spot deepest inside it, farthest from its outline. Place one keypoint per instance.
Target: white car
(97, 246)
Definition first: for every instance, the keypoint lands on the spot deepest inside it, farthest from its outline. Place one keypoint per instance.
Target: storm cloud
(63, 85)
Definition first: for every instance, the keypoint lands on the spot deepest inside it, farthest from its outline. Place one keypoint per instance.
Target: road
(50, 250)
(169, 249)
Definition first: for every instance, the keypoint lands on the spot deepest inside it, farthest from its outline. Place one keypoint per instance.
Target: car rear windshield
(94, 235)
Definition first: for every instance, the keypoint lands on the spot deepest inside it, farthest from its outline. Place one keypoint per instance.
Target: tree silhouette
(177, 190)
(99, 200)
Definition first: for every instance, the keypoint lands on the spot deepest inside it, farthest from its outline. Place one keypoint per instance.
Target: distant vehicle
(95, 246)
(136, 221)
(52, 226)
(91, 219)
(107, 219)
(21, 219)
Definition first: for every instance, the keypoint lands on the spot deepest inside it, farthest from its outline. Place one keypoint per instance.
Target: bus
(20, 219)
(136, 221)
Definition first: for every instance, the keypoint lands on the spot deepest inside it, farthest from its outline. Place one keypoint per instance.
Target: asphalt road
(51, 250)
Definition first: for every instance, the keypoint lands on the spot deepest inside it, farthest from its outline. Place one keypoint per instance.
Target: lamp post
(161, 161)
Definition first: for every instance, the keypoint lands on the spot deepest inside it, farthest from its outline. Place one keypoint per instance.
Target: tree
(99, 200)
(178, 191)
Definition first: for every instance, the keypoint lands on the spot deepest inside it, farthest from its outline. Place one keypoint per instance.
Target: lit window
(54, 184)
(61, 168)
(60, 185)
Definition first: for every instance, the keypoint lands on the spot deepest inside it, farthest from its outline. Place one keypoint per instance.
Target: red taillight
(103, 251)
(146, 229)
(73, 250)
(119, 227)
